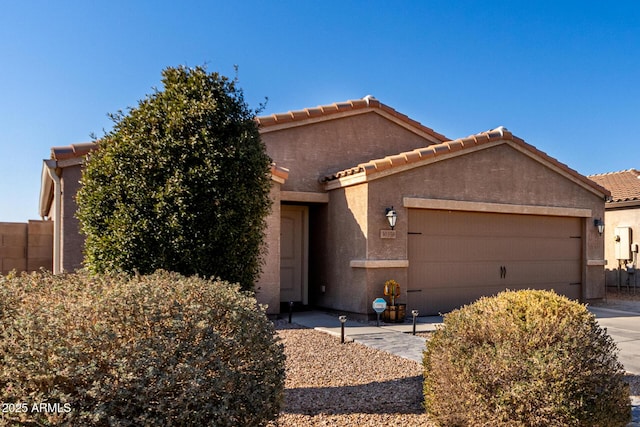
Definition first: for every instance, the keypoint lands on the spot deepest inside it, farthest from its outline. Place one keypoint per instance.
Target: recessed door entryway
(294, 248)
(455, 257)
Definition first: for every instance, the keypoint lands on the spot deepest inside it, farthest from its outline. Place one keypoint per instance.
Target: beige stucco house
(622, 227)
(475, 215)
(61, 175)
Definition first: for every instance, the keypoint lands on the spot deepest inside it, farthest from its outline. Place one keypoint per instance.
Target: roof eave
(46, 187)
(390, 165)
(307, 116)
(279, 174)
(622, 204)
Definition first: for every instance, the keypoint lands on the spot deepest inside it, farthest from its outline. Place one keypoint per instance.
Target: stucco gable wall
(315, 150)
(500, 174)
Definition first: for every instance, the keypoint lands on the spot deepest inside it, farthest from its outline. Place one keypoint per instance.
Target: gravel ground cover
(333, 384)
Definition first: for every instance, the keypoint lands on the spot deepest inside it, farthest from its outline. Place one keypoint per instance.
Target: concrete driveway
(624, 328)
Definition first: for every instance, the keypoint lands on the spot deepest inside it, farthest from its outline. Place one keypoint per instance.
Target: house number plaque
(387, 234)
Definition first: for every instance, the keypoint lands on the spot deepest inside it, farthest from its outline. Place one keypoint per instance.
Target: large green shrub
(181, 183)
(525, 358)
(153, 350)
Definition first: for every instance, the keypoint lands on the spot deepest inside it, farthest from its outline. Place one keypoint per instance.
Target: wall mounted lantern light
(392, 216)
(600, 224)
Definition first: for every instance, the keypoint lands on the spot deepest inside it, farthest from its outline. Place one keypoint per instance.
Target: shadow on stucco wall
(622, 278)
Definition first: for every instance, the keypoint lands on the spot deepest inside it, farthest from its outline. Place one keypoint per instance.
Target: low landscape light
(290, 310)
(415, 315)
(343, 320)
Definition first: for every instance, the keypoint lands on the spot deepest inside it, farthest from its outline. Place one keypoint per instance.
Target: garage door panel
(540, 272)
(456, 257)
(442, 248)
(540, 248)
(453, 275)
(452, 223)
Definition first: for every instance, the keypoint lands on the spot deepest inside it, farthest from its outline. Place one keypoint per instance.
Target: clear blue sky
(562, 75)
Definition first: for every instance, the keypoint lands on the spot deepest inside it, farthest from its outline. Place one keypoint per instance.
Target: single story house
(473, 216)
(60, 181)
(622, 231)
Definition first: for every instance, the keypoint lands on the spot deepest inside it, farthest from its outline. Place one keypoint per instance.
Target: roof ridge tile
(341, 107)
(72, 150)
(446, 147)
(633, 170)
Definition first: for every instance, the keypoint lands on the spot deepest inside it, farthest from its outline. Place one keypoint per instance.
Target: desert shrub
(525, 358)
(161, 349)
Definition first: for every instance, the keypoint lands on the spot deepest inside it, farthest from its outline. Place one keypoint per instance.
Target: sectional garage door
(455, 257)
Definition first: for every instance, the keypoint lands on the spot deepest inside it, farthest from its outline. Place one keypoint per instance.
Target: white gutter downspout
(57, 209)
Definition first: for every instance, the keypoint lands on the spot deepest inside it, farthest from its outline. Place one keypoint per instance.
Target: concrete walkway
(394, 338)
(397, 338)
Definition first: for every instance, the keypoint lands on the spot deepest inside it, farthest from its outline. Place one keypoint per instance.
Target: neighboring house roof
(72, 151)
(417, 157)
(624, 185)
(340, 109)
(61, 157)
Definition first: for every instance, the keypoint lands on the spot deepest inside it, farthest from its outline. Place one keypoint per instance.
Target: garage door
(455, 257)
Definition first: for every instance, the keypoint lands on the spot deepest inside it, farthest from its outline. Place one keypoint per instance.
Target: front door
(293, 253)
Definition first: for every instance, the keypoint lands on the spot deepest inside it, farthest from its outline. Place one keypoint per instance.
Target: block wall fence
(26, 246)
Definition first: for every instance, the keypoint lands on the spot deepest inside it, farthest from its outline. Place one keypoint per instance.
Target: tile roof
(278, 173)
(351, 106)
(72, 151)
(75, 151)
(624, 185)
(458, 145)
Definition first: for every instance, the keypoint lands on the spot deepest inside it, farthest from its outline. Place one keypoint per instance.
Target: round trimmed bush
(162, 349)
(524, 358)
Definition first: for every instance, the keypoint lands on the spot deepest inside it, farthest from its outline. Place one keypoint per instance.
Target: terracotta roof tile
(434, 150)
(440, 149)
(72, 151)
(279, 171)
(341, 107)
(425, 152)
(298, 115)
(268, 120)
(367, 168)
(312, 112)
(412, 156)
(329, 109)
(455, 145)
(398, 159)
(283, 117)
(382, 164)
(478, 139)
(624, 185)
